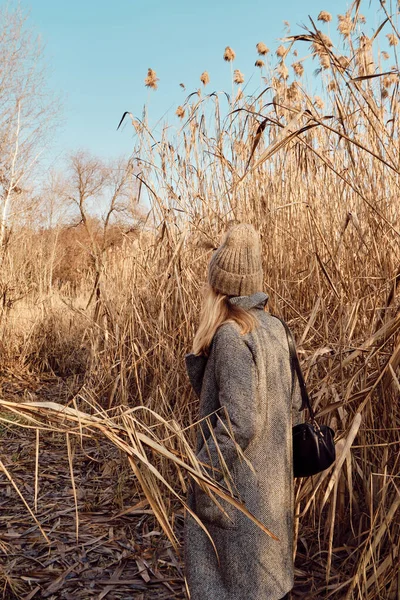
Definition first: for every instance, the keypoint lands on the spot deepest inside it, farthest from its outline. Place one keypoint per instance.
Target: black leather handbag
(313, 444)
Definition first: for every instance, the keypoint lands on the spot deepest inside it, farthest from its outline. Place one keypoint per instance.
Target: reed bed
(319, 178)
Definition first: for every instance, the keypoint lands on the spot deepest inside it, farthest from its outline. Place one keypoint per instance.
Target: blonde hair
(216, 310)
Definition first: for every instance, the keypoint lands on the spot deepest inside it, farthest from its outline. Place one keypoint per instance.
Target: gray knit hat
(235, 268)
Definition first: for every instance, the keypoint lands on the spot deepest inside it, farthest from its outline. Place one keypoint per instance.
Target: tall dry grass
(319, 178)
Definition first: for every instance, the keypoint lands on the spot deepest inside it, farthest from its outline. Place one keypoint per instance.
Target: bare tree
(101, 189)
(27, 110)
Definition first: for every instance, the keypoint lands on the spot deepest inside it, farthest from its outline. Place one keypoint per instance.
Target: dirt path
(110, 547)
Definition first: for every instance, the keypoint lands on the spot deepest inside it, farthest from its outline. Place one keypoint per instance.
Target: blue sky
(98, 52)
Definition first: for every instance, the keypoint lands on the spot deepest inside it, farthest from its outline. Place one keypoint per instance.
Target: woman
(240, 365)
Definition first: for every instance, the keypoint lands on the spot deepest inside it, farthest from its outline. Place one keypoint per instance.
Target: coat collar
(196, 364)
(257, 300)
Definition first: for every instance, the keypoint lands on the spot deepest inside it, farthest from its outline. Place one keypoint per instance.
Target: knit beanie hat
(235, 268)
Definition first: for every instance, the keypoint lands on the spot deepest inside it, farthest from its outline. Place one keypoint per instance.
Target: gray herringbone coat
(250, 376)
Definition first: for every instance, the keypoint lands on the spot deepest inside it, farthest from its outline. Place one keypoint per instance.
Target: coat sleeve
(195, 367)
(236, 380)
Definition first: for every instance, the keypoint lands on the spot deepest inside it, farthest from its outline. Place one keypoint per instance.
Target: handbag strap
(295, 365)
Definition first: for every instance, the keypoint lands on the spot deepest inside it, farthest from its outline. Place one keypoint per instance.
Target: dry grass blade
(385, 331)
(339, 462)
(374, 76)
(367, 554)
(11, 480)
(257, 139)
(37, 468)
(71, 471)
(286, 135)
(54, 412)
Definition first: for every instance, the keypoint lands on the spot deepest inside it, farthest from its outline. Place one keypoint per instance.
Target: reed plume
(345, 25)
(151, 79)
(318, 102)
(324, 16)
(324, 61)
(364, 58)
(282, 70)
(229, 54)
(205, 78)
(390, 80)
(262, 49)
(342, 63)
(293, 92)
(393, 39)
(298, 68)
(238, 77)
(281, 51)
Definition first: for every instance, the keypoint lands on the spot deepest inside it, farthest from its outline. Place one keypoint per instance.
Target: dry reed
(324, 16)
(322, 188)
(262, 49)
(151, 79)
(229, 54)
(238, 77)
(205, 78)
